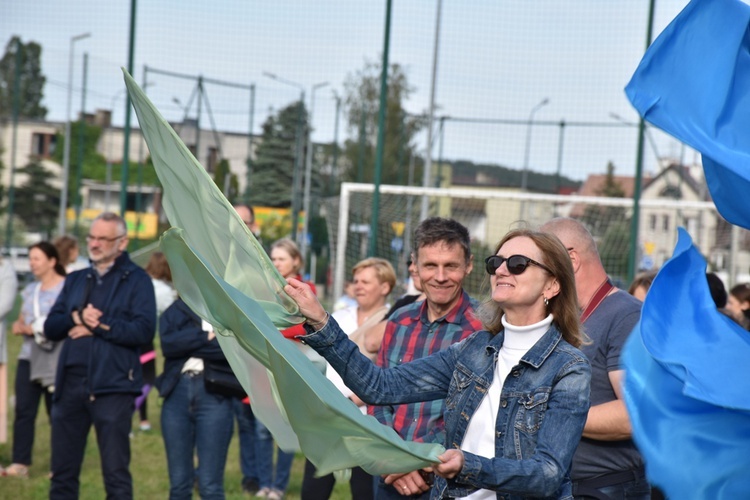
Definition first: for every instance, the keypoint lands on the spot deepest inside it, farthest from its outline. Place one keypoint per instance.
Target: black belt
(589, 488)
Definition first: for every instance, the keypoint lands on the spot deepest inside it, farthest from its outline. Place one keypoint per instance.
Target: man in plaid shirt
(442, 255)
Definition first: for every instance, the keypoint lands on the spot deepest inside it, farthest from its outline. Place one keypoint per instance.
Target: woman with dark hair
(37, 361)
(516, 393)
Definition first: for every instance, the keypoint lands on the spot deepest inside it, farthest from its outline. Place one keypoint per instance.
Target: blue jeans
(265, 445)
(246, 427)
(72, 416)
(192, 419)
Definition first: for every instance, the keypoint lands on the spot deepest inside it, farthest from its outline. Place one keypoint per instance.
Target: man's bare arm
(609, 421)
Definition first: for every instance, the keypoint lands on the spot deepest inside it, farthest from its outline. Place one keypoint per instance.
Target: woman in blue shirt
(516, 393)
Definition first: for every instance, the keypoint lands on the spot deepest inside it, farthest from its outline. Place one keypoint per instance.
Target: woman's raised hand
(308, 303)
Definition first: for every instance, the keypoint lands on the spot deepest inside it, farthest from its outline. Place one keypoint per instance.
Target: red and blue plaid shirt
(410, 335)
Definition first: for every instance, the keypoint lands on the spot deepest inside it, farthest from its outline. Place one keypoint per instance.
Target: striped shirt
(410, 335)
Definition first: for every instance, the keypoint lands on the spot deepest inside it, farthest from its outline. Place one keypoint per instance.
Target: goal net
(490, 213)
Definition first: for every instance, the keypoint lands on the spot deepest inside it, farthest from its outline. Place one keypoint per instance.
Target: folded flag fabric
(225, 276)
(694, 83)
(686, 382)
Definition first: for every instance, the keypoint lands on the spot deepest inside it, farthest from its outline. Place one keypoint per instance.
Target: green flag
(225, 276)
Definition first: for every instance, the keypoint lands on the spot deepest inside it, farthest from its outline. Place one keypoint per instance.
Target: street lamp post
(66, 149)
(308, 169)
(527, 153)
(108, 178)
(298, 150)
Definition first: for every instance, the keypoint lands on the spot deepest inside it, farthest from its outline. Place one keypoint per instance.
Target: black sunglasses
(516, 264)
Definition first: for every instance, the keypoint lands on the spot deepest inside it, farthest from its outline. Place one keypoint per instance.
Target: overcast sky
(497, 60)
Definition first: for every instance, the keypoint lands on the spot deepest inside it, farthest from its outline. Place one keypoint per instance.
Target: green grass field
(148, 460)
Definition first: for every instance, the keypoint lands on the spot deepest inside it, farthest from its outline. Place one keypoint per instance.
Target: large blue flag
(694, 83)
(686, 386)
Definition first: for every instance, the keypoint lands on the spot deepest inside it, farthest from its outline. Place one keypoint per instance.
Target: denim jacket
(544, 404)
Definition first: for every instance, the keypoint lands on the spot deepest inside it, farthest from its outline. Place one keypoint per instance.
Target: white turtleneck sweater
(480, 435)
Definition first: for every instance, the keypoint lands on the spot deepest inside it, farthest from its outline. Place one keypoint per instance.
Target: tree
(37, 201)
(31, 79)
(361, 105)
(598, 218)
(226, 181)
(94, 164)
(610, 225)
(273, 169)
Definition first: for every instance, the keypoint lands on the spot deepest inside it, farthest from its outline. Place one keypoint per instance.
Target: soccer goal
(490, 213)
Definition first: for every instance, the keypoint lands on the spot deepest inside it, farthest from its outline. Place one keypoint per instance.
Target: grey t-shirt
(608, 327)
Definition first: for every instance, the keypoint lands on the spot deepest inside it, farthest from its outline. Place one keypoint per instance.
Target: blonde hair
(563, 306)
(292, 249)
(383, 270)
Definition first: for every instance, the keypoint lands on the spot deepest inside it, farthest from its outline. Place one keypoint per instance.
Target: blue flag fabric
(686, 387)
(694, 83)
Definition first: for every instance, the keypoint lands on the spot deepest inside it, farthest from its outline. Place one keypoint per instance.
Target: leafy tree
(2, 188)
(614, 249)
(226, 181)
(94, 165)
(361, 105)
(273, 169)
(597, 218)
(37, 201)
(610, 226)
(31, 79)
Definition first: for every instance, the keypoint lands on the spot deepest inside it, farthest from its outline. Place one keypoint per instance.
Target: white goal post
(489, 213)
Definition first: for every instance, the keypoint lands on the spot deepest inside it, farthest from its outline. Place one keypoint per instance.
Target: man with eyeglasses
(442, 256)
(105, 312)
(606, 463)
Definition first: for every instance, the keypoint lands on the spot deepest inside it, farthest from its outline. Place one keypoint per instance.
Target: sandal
(16, 470)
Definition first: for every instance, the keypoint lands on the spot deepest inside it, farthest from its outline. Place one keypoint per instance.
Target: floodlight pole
(427, 173)
(635, 220)
(126, 131)
(13, 145)
(381, 133)
(66, 148)
(308, 170)
(298, 150)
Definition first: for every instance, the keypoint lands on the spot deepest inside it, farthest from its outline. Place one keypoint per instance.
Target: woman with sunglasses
(516, 393)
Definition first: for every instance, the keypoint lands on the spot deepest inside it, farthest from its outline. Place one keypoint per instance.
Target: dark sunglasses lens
(493, 262)
(517, 264)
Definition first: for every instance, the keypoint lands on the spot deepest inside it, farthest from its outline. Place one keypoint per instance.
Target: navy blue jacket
(182, 337)
(128, 321)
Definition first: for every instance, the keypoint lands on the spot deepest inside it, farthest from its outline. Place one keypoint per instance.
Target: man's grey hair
(113, 217)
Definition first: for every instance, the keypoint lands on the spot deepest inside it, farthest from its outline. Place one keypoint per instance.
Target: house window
(665, 223)
(652, 222)
(43, 145)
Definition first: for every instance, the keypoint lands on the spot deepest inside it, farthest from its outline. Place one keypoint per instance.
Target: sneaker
(16, 470)
(275, 495)
(263, 492)
(145, 426)
(250, 486)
